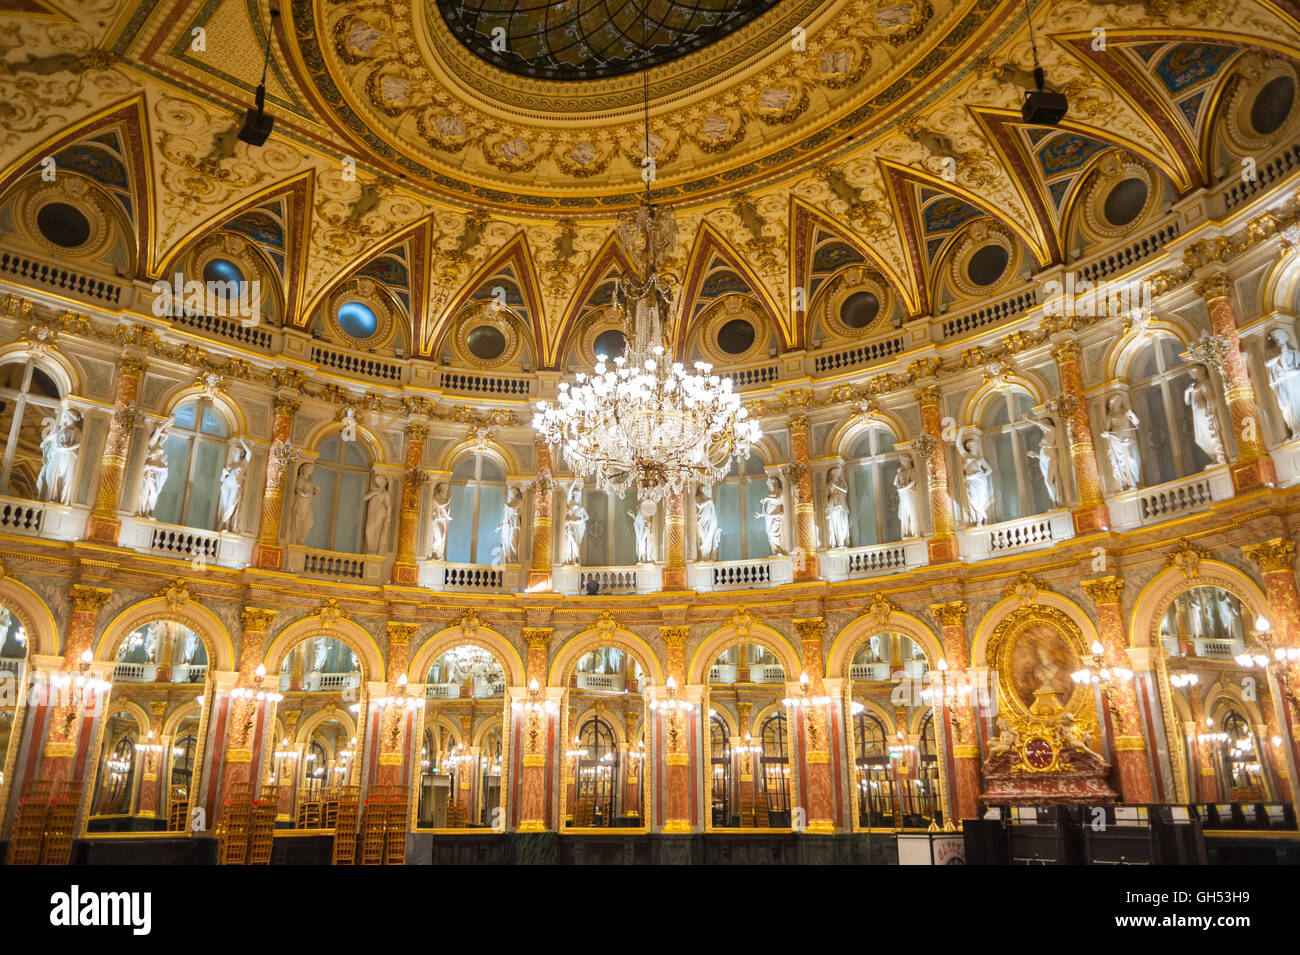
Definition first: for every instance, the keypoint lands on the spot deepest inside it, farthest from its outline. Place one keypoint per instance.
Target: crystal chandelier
(643, 420)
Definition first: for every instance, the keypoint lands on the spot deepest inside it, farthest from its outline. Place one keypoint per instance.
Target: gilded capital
(951, 614)
(417, 432)
(675, 637)
(538, 638)
(929, 395)
(132, 366)
(284, 405)
(1066, 351)
(1271, 555)
(256, 620)
(1213, 286)
(88, 599)
(798, 423)
(811, 629)
(400, 632)
(1104, 590)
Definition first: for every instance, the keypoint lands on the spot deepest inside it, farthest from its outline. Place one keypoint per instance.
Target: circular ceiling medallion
(358, 320)
(1125, 201)
(222, 270)
(860, 309)
(591, 39)
(63, 224)
(987, 265)
(486, 342)
(1273, 105)
(610, 343)
(736, 337)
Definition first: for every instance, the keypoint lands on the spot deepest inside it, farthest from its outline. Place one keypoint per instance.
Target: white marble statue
(773, 515)
(977, 475)
(301, 512)
(908, 511)
(60, 444)
(1205, 423)
(322, 653)
(575, 525)
(1284, 377)
(1121, 434)
(708, 532)
(154, 474)
(837, 508)
(1048, 456)
(643, 528)
(1007, 739)
(379, 514)
(511, 518)
(232, 487)
(441, 518)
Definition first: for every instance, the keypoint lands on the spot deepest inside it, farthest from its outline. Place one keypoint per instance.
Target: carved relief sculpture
(905, 485)
(837, 508)
(232, 487)
(301, 513)
(1284, 378)
(773, 515)
(441, 518)
(509, 526)
(379, 514)
(154, 474)
(1205, 425)
(708, 531)
(643, 527)
(1121, 434)
(978, 477)
(575, 526)
(60, 445)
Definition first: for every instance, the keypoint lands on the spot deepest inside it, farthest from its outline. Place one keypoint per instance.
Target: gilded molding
(1104, 590)
(1272, 555)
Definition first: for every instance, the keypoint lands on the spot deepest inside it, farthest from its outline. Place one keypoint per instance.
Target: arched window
(870, 465)
(1159, 379)
(597, 775)
(776, 770)
(923, 804)
(1243, 766)
(1204, 622)
(28, 395)
(13, 651)
(478, 497)
(342, 473)
(608, 670)
(1009, 439)
(465, 671)
(161, 650)
(746, 663)
(874, 771)
(737, 500)
(117, 771)
(611, 537)
(197, 447)
(13, 638)
(321, 664)
(490, 785)
(720, 758)
(884, 655)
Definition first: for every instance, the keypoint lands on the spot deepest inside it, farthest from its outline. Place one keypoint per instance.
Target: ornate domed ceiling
(816, 152)
(589, 39)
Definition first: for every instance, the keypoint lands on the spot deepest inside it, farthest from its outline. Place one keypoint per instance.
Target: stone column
(267, 552)
(805, 518)
(405, 571)
(396, 715)
(1131, 766)
(534, 735)
(468, 771)
(1209, 779)
(677, 737)
(819, 795)
(632, 769)
(103, 525)
(965, 736)
(1090, 515)
(674, 543)
(1253, 468)
(241, 735)
(942, 545)
(153, 760)
(69, 705)
(287, 768)
(746, 788)
(539, 574)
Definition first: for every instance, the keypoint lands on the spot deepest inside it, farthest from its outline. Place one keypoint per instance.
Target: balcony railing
(323, 682)
(733, 574)
(1150, 505)
(42, 519)
(608, 581)
(1009, 537)
(135, 672)
(604, 682)
(451, 691)
(872, 559)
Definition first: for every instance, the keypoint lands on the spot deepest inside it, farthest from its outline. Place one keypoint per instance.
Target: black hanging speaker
(1041, 107)
(257, 124)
